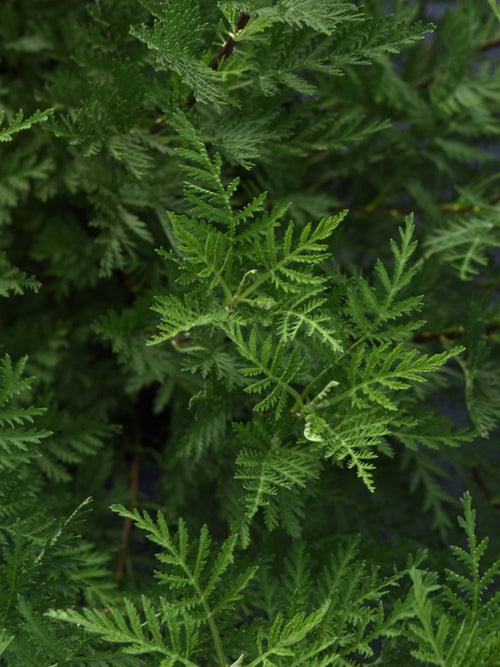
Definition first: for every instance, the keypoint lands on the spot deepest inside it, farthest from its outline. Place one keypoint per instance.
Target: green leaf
(495, 7)
(16, 439)
(19, 123)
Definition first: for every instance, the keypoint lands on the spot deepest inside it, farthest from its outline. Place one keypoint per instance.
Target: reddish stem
(444, 208)
(482, 485)
(453, 333)
(226, 51)
(490, 45)
(127, 524)
(230, 43)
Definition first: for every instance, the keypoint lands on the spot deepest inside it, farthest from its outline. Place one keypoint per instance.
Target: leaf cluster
(249, 307)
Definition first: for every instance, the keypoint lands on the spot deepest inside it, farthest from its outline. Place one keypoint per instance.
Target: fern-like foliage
(196, 588)
(279, 370)
(241, 254)
(19, 123)
(274, 475)
(18, 170)
(481, 395)
(33, 547)
(374, 309)
(199, 591)
(13, 280)
(465, 242)
(285, 394)
(18, 435)
(460, 625)
(180, 52)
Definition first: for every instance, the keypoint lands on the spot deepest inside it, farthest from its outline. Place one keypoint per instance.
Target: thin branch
(226, 50)
(230, 43)
(425, 84)
(394, 211)
(475, 472)
(427, 337)
(488, 46)
(482, 485)
(127, 523)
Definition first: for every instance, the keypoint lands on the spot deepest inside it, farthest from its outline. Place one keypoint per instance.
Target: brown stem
(427, 337)
(490, 45)
(127, 524)
(482, 485)
(426, 83)
(230, 42)
(484, 47)
(491, 327)
(225, 51)
(444, 208)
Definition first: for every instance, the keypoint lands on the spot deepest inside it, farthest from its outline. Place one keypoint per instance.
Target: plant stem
(230, 43)
(451, 208)
(225, 51)
(127, 524)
